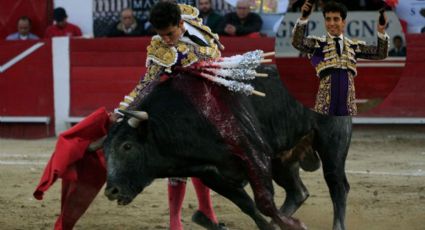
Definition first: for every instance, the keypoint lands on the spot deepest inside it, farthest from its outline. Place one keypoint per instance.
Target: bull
(172, 138)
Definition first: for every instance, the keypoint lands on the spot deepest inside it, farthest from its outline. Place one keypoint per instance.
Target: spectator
(209, 17)
(399, 49)
(128, 26)
(61, 27)
(24, 28)
(242, 22)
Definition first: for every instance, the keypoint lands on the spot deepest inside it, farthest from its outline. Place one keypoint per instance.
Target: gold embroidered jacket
(161, 57)
(324, 58)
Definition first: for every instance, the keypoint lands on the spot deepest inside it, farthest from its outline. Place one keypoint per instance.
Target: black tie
(195, 39)
(338, 48)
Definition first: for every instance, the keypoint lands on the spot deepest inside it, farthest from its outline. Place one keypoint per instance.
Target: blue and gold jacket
(323, 55)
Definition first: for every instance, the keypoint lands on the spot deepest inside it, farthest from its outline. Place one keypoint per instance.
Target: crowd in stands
(60, 27)
(239, 21)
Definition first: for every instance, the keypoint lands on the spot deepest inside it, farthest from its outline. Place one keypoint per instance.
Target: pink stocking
(176, 192)
(204, 199)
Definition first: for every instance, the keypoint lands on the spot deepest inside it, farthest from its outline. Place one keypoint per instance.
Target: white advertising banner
(268, 6)
(360, 25)
(412, 12)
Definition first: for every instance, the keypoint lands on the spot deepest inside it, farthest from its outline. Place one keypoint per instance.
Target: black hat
(59, 14)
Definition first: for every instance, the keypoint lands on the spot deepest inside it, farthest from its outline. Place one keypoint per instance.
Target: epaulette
(355, 41)
(322, 38)
(188, 12)
(160, 53)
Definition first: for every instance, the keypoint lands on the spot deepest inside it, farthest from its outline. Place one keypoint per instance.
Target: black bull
(178, 141)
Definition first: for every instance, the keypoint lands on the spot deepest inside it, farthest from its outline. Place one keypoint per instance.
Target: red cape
(83, 174)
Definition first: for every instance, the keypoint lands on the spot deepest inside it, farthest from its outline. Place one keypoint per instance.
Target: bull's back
(283, 119)
(180, 127)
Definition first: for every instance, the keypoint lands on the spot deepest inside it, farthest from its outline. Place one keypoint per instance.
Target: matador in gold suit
(334, 57)
(182, 45)
(196, 43)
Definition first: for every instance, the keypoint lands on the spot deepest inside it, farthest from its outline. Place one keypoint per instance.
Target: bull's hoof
(296, 224)
(301, 225)
(201, 219)
(288, 223)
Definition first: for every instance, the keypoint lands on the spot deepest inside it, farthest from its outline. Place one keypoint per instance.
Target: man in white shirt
(24, 28)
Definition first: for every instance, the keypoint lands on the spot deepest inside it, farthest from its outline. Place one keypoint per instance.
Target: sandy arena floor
(385, 166)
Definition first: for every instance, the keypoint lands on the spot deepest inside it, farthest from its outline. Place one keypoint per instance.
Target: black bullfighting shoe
(201, 219)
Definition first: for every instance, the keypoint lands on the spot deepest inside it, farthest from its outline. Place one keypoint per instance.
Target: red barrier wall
(26, 89)
(37, 10)
(104, 70)
(408, 97)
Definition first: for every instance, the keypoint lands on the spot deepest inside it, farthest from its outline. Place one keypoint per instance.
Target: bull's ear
(143, 130)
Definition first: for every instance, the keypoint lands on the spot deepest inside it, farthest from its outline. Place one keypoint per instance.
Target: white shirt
(340, 41)
(193, 31)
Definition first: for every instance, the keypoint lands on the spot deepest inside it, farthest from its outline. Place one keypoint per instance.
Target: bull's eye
(127, 146)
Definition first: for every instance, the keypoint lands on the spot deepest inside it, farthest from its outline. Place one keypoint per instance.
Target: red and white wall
(46, 85)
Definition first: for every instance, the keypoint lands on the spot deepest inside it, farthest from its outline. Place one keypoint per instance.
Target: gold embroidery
(351, 97)
(326, 64)
(188, 11)
(182, 48)
(323, 97)
(300, 42)
(347, 60)
(166, 56)
(189, 60)
(152, 72)
(161, 53)
(321, 39)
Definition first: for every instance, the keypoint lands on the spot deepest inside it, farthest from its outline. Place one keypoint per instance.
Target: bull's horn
(135, 117)
(134, 122)
(141, 115)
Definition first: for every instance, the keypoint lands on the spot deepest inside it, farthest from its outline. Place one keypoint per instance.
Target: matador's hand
(382, 22)
(306, 9)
